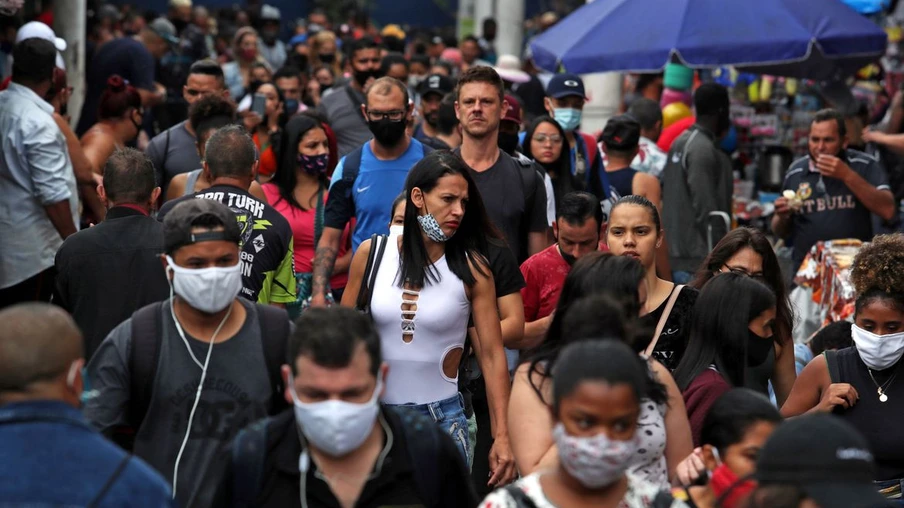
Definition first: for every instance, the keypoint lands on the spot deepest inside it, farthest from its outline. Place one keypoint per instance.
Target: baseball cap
(509, 68)
(39, 30)
(436, 83)
(393, 30)
(436, 40)
(178, 223)
(514, 110)
(163, 28)
(270, 13)
(565, 85)
(826, 458)
(621, 132)
(180, 3)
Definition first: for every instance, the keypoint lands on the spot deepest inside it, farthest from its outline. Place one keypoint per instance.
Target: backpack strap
(110, 481)
(526, 171)
(590, 148)
(147, 322)
(664, 318)
(249, 452)
(831, 357)
(522, 500)
(422, 439)
(274, 323)
(351, 166)
(165, 154)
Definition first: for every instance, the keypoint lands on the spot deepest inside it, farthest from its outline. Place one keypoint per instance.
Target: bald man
(45, 444)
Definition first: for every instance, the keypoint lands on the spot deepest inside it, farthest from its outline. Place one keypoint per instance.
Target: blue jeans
(449, 414)
(896, 501)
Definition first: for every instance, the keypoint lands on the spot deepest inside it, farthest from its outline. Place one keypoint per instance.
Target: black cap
(622, 132)
(436, 83)
(826, 458)
(195, 212)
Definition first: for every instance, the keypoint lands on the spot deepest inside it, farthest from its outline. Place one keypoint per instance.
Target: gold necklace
(883, 397)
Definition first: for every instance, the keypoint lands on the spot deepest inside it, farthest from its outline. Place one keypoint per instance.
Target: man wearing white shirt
(38, 194)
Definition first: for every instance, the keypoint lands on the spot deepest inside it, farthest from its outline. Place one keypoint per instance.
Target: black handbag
(365, 293)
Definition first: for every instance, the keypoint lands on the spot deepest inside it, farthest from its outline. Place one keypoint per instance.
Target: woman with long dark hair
(299, 191)
(545, 143)
(601, 298)
(266, 134)
(597, 396)
(747, 251)
(731, 329)
(429, 281)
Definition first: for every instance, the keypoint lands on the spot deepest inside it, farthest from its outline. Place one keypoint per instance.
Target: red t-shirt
(302, 223)
(699, 396)
(544, 273)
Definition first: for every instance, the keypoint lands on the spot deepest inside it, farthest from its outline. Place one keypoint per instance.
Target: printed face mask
(431, 227)
(313, 164)
(209, 290)
(878, 352)
(595, 461)
(568, 118)
(336, 427)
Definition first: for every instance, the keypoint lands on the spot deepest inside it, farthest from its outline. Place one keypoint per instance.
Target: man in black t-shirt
(266, 238)
(133, 58)
(834, 190)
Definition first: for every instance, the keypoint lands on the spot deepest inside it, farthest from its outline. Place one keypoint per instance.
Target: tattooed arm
(324, 259)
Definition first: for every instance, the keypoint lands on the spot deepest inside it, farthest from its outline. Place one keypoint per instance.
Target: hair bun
(116, 83)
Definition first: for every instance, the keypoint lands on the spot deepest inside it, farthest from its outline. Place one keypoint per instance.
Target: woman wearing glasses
(748, 252)
(544, 143)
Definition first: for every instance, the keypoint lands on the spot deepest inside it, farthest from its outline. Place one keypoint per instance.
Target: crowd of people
(358, 268)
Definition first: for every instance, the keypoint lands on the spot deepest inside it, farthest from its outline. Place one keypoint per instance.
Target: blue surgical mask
(568, 118)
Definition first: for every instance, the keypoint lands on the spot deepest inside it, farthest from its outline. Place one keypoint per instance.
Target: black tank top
(879, 422)
(622, 182)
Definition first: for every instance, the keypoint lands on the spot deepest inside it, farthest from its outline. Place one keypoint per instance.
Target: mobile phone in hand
(259, 104)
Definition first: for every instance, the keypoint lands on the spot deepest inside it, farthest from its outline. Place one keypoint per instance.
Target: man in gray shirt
(697, 182)
(173, 151)
(343, 107)
(157, 374)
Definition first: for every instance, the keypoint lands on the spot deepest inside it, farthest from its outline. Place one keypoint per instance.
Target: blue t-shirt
(369, 198)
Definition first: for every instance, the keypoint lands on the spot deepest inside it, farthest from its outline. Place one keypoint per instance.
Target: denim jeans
(449, 414)
(897, 501)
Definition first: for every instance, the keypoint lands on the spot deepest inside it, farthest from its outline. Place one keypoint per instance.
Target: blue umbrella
(815, 39)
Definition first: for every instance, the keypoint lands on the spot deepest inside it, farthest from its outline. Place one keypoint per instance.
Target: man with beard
(835, 189)
(367, 180)
(577, 232)
(432, 90)
(343, 106)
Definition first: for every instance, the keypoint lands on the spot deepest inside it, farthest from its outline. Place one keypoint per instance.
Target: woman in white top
(429, 282)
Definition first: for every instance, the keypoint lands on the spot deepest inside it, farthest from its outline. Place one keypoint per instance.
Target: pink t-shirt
(302, 223)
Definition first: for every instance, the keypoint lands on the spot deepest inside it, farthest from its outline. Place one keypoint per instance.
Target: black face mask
(758, 349)
(326, 58)
(179, 24)
(269, 37)
(386, 132)
(291, 106)
(508, 142)
(361, 77)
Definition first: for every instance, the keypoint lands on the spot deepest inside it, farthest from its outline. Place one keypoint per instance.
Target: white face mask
(336, 427)
(395, 231)
(878, 352)
(206, 289)
(595, 461)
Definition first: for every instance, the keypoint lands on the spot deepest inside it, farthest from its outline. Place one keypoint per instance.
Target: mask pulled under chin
(878, 352)
(595, 461)
(208, 290)
(431, 228)
(336, 427)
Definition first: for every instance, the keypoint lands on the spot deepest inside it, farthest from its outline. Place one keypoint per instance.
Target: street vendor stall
(825, 278)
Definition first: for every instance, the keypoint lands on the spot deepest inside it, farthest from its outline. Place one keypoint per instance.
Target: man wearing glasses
(367, 180)
(173, 150)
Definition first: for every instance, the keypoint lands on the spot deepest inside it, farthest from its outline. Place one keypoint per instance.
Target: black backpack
(145, 354)
(421, 436)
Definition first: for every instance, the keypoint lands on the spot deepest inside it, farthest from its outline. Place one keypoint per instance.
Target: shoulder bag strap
(377, 247)
(318, 218)
(665, 317)
(831, 357)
